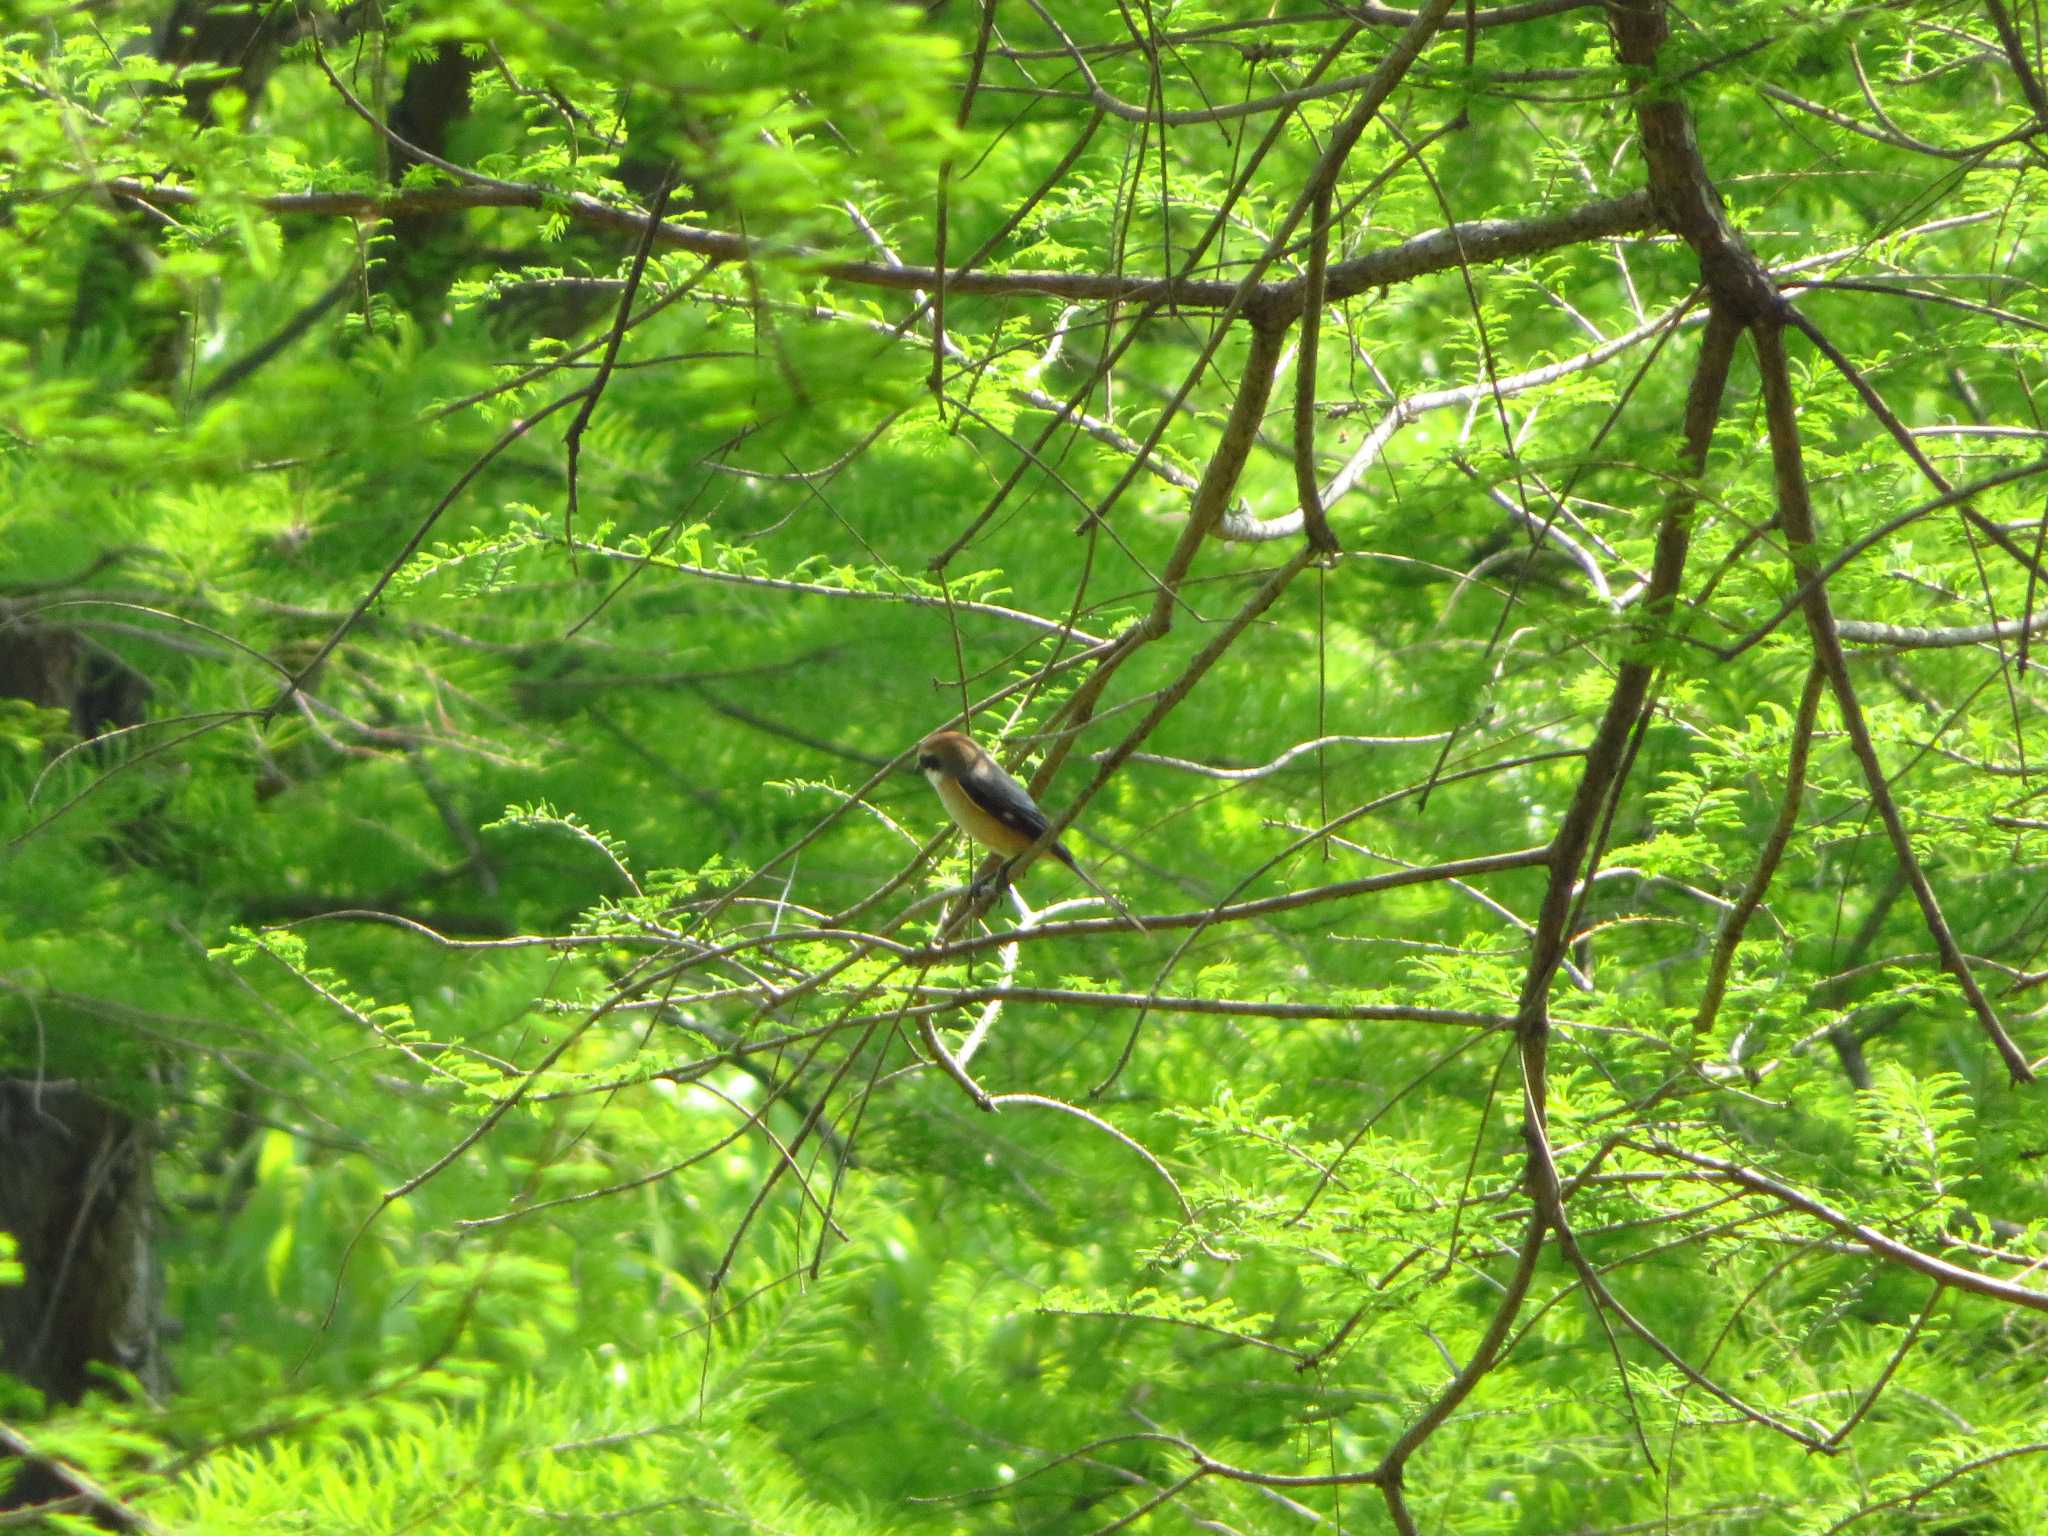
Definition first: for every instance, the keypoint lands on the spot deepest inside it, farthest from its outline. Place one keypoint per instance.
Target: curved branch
(1884, 1247)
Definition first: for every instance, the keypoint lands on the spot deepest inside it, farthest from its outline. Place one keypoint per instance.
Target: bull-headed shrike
(993, 808)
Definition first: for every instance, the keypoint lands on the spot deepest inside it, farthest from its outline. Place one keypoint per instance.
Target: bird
(993, 808)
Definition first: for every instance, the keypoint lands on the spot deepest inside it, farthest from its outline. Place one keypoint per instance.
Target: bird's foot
(990, 886)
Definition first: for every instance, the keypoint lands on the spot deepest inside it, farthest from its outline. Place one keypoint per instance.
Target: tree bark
(77, 1195)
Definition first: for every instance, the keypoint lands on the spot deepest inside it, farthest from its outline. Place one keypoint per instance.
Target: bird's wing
(1002, 797)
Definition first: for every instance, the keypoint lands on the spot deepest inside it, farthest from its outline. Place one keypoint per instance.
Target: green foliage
(454, 729)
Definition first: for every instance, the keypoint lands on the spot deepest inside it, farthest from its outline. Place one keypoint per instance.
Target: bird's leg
(991, 885)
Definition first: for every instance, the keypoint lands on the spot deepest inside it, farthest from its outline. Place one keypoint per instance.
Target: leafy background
(484, 907)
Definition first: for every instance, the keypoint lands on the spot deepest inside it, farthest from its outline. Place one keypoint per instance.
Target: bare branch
(1888, 1248)
(1795, 512)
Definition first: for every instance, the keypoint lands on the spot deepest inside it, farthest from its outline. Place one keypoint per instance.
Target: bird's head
(946, 754)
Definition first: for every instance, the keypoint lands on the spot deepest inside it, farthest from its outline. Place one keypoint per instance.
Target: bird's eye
(928, 762)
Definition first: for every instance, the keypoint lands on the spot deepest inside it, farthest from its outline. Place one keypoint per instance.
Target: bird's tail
(1098, 887)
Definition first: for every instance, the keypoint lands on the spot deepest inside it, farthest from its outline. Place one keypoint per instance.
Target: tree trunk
(76, 1194)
